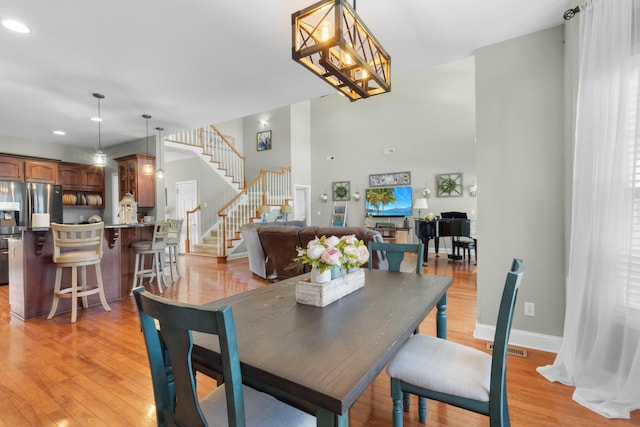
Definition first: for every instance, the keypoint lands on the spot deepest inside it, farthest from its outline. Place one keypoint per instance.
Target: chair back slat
(176, 322)
(160, 233)
(87, 237)
(394, 252)
(175, 229)
(501, 339)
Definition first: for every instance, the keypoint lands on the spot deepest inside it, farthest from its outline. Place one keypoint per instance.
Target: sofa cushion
(279, 245)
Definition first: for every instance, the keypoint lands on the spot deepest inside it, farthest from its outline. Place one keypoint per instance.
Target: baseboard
(237, 256)
(520, 338)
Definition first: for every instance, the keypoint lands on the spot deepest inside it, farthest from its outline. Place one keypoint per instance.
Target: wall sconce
(426, 192)
(264, 210)
(285, 210)
(473, 189)
(324, 197)
(355, 196)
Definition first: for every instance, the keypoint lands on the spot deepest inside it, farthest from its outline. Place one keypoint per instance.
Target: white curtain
(600, 352)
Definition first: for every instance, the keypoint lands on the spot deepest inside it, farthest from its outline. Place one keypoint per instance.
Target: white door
(187, 200)
(302, 203)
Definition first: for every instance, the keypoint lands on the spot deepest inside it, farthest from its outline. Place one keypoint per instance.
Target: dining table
(321, 359)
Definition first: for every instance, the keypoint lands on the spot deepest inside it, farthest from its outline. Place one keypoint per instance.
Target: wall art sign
(340, 191)
(390, 179)
(449, 184)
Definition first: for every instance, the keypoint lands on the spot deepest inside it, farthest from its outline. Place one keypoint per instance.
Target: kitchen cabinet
(11, 169)
(82, 185)
(132, 180)
(41, 171)
(69, 176)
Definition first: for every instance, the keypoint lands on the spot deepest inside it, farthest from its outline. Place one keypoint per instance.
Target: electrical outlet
(529, 309)
(389, 151)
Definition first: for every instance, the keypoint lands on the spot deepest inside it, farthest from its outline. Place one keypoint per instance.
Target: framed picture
(263, 140)
(449, 184)
(340, 191)
(390, 179)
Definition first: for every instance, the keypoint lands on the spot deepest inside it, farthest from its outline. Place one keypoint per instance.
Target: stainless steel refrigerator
(31, 198)
(18, 200)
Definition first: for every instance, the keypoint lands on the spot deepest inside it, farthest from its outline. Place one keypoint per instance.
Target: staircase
(270, 188)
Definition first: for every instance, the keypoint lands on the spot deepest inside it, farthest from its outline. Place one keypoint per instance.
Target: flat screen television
(389, 201)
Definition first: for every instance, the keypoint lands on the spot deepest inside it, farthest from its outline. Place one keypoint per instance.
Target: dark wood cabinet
(132, 180)
(83, 185)
(69, 176)
(11, 169)
(92, 178)
(41, 171)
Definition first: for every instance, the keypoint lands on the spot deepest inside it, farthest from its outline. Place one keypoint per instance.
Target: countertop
(8, 231)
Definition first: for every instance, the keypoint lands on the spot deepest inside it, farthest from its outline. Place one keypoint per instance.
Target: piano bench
(466, 246)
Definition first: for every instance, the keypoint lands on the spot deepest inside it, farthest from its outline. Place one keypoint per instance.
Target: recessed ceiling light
(95, 119)
(59, 132)
(16, 26)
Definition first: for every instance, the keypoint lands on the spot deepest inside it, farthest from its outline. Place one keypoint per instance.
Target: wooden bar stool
(154, 247)
(83, 244)
(173, 243)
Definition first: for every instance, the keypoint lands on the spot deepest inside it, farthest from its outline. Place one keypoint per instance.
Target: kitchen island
(32, 271)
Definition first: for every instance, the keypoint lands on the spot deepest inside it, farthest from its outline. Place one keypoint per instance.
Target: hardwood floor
(95, 372)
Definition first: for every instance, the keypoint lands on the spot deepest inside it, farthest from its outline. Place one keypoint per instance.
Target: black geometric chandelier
(331, 41)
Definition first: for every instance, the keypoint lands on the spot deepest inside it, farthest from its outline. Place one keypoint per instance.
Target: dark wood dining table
(322, 359)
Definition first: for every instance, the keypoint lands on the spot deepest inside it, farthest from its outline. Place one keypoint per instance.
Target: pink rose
(331, 256)
(363, 254)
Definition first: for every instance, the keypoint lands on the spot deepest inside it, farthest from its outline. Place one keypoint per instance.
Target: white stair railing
(218, 148)
(271, 188)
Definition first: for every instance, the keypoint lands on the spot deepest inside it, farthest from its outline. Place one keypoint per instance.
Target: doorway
(186, 200)
(302, 203)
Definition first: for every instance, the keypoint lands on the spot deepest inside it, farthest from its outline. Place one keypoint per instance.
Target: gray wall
(278, 121)
(428, 118)
(521, 176)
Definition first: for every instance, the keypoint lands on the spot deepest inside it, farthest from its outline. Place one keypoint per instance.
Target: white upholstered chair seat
(78, 257)
(146, 245)
(260, 409)
(443, 366)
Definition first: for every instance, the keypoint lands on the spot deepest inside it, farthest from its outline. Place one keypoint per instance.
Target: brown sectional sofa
(271, 247)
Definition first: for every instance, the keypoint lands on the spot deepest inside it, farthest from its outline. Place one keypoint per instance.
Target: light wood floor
(95, 372)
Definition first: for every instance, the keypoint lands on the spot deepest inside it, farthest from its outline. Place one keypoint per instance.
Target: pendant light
(332, 42)
(160, 154)
(147, 168)
(99, 158)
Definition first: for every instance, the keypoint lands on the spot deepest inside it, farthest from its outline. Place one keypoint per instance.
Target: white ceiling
(190, 63)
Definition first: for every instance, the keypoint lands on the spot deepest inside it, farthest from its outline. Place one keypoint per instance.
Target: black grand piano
(452, 224)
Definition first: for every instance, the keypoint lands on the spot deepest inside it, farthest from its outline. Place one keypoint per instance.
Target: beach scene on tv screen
(389, 201)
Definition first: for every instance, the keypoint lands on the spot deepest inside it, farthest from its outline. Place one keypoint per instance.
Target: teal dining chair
(169, 344)
(455, 374)
(395, 254)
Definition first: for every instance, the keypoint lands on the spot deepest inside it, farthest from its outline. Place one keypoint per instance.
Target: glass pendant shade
(160, 154)
(99, 158)
(147, 168)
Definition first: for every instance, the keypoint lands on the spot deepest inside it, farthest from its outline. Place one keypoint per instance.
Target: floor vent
(510, 350)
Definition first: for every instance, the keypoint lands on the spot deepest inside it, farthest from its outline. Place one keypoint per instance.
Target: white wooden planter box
(323, 294)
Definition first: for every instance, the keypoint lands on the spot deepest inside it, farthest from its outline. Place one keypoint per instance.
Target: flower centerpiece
(327, 254)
